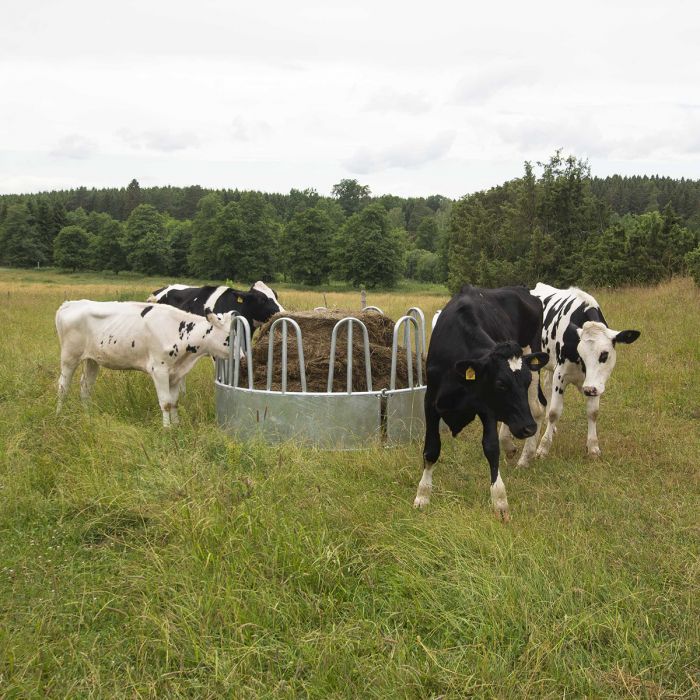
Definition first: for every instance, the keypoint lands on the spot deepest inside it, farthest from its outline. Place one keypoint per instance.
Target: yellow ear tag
(470, 374)
(534, 362)
(239, 300)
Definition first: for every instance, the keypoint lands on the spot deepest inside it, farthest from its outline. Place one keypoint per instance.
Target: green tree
(307, 246)
(351, 195)
(427, 233)
(71, 248)
(203, 255)
(132, 197)
(260, 239)
(20, 242)
(106, 249)
(145, 221)
(180, 233)
(371, 254)
(151, 254)
(692, 261)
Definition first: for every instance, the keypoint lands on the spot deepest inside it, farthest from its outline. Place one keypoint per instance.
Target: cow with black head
(476, 367)
(257, 305)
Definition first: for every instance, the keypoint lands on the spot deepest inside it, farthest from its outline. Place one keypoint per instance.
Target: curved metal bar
(320, 308)
(350, 320)
(373, 308)
(406, 321)
(238, 322)
(418, 314)
(270, 352)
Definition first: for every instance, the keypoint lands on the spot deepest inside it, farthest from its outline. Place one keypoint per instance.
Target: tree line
(555, 223)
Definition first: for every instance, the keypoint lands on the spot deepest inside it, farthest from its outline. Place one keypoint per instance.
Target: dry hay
(316, 328)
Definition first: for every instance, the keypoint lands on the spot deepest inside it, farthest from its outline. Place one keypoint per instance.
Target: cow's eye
(603, 357)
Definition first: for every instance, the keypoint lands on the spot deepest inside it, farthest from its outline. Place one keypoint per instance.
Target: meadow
(142, 563)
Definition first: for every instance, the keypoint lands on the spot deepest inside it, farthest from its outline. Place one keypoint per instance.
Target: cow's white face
(218, 340)
(596, 348)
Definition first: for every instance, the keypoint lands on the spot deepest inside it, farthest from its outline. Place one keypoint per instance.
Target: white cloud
(404, 155)
(388, 99)
(164, 141)
(277, 95)
(73, 146)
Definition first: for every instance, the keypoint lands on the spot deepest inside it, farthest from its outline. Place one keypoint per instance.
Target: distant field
(136, 562)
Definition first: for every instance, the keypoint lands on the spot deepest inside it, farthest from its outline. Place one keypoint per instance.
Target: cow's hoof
(541, 454)
(503, 515)
(421, 502)
(522, 464)
(594, 452)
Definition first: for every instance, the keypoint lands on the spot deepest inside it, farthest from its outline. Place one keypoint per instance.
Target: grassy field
(142, 563)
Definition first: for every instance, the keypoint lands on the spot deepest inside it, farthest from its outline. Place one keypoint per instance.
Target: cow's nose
(529, 430)
(590, 391)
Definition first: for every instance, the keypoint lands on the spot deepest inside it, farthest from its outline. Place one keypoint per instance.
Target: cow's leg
(556, 407)
(87, 381)
(175, 388)
(537, 410)
(68, 368)
(489, 442)
(161, 380)
(592, 405)
(505, 438)
(431, 453)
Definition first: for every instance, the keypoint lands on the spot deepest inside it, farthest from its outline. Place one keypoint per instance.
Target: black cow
(257, 305)
(476, 367)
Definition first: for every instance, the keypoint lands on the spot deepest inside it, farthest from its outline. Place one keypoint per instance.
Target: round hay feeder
(284, 390)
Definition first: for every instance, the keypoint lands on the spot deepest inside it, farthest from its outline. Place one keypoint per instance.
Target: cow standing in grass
(476, 367)
(160, 340)
(581, 351)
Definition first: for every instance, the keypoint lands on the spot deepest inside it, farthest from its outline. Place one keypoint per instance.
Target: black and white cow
(581, 351)
(160, 340)
(257, 305)
(476, 367)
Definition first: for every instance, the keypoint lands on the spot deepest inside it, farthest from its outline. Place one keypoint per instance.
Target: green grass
(137, 562)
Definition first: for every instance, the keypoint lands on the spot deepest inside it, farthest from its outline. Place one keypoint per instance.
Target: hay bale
(316, 328)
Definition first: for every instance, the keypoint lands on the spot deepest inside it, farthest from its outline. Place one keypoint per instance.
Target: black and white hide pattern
(476, 367)
(162, 341)
(582, 352)
(256, 305)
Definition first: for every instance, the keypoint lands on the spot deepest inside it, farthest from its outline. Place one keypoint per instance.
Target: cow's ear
(470, 370)
(536, 360)
(626, 337)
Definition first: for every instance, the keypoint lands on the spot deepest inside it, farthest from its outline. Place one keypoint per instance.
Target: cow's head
(217, 340)
(259, 307)
(501, 378)
(596, 348)
(270, 293)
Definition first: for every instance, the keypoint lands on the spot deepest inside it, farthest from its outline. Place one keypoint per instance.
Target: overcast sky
(408, 98)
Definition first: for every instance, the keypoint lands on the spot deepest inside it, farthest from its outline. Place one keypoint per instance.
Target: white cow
(582, 352)
(158, 339)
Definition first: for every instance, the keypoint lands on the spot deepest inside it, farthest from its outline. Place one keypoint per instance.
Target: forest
(555, 223)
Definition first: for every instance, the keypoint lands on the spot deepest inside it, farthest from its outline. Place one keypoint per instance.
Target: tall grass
(143, 563)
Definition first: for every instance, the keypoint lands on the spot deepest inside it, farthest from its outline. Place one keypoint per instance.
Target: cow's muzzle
(591, 391)
(525, 432)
